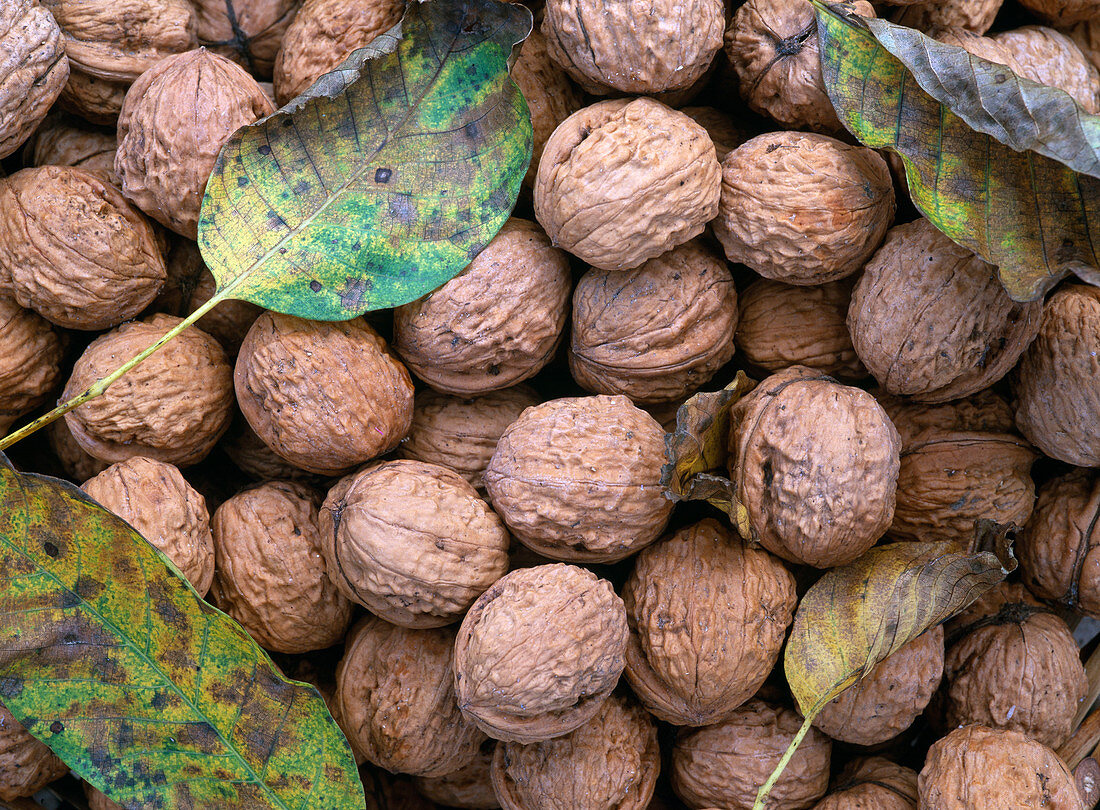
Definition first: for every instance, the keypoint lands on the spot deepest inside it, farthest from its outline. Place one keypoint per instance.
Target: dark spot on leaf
(11, 686)
(1000, 78)
(357, 246)
(56, 727)
(163, 606)
(315, 285)
(264, 150)
(88, 588)
(302, 188)
(402, 209)
(354, 289)
(383, 175)
(159, 701)
(472, 130)
(69, 599)
(242, 182)
(51, 550)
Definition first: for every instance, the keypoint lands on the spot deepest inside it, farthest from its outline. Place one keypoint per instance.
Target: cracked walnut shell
(707, 617)
(26, 765)
(33, 69)
(1049, 57)
(578, 479)
(626, 180)
(250, 32)
(31, 353)
(539, 652)
(873, 783)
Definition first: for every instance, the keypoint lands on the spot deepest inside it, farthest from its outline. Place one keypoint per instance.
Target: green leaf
(110, 657)
(385, 178)
(1029, 204)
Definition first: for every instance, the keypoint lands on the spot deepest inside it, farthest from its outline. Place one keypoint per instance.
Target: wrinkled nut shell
(725, 133)
(26, 765)
(578, 479)
(497, 323)
(77, 464)
(539, 652)
(468, 788)
(97, 101)
(229, 321)
(611, 761)
(33, 70)
(65, 140)
(1063, 12)
(1086, 35)
(324, 396)
(1051, 58)
(395, 693)
(803, 208)
(173, 407)
(707, 619)
(167, 511)
(873, 783)
(973, 15)
(31, 353)
(248, 451)
(624, 181)
(253, 36)
(75, 250)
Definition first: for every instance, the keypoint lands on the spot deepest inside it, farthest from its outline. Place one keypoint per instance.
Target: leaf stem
(104, 383)
(762, 795)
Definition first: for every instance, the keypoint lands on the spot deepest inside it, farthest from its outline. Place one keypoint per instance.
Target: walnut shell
(386, 791)
(26, 765)
(97, 800)
(497, 323)
(725, 133)
(411, 542)
(1063, 12)
(173, 123)
(725, 764)
(462, 434)
(167, 511)
(271, 574)
(33, 70)
(890, 697)
(707, 617)
(657, 332)
(468, 788)
(773, 50)
(815, 464)
(783, 325)
(803, 208)
(248, 451)
(31, 353)
(395, 690)
(1086, 35)
(578, 479)
(77, 464)
(609, 763)
(983, 47)
(65, 140)
(1058, 546)
(173, 407)
(229, 321)
(1015, 666)
(636, 47)
(1051, 58)
(252, 37)
(324, 396)
(323, 34)
(1057, 381)
(539, 652)
(984, 412)
(873, 783)
(624, 181)
(98, 101)
(76, 251)
(979, 768)
(973, 15)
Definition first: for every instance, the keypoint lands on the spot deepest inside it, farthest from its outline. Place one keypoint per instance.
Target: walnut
(1012, 664)
(462, 433)
(1051, 58)
(873, 783)
(803, 208)
(890, 697)
(468, 788)
(174, 121)
(1056, 381)
(248, 451)
(77, 464)
(773, 50)
(725, 764)
(635, 47)
(973, 15)
(578, 479)
(253, 35)
(395, 690)
(271, 574)
(173, 407)
(983, 47)
(624, 181)
(386, 791)
(550, 95)
(26, 765)
(34, 73)
(412, 542)
(954, 473)
(1086, 35)
(167, 511)
(725, 133)
(815, 464)
(611, 761)
(1063, 12)
(65, 140)
(324, 396)
(783, 325)
(98, 101)
(497, 323)
(99, 801)
(229, 321)
(1058, 546)
(31, 353)
(323, 34)
(979, 768)
(539, 652)
(75, 250)
(707, 617)
(657, 332)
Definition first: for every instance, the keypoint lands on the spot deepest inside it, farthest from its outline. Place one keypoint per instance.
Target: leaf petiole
(766, 788)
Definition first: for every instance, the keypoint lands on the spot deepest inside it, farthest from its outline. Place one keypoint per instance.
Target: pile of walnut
(449, 516)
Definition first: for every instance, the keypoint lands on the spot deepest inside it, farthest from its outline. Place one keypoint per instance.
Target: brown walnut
(248, 451)
(725, 132)
(33, 70)
(578, 479)
(468, 788)
(167, 511)
(803, 208)
(873, 783)
(252, 36)
(26, 765)
(539, 652)
(1086, 35)
(707, 617)
(1049, 57)
(31, 353)
(657, 332)
(76, 463)
(1063, 12)
(66, 140)
(98, 101)
(497, 323)
(624, 181)
(973, 15)
(324, 396)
